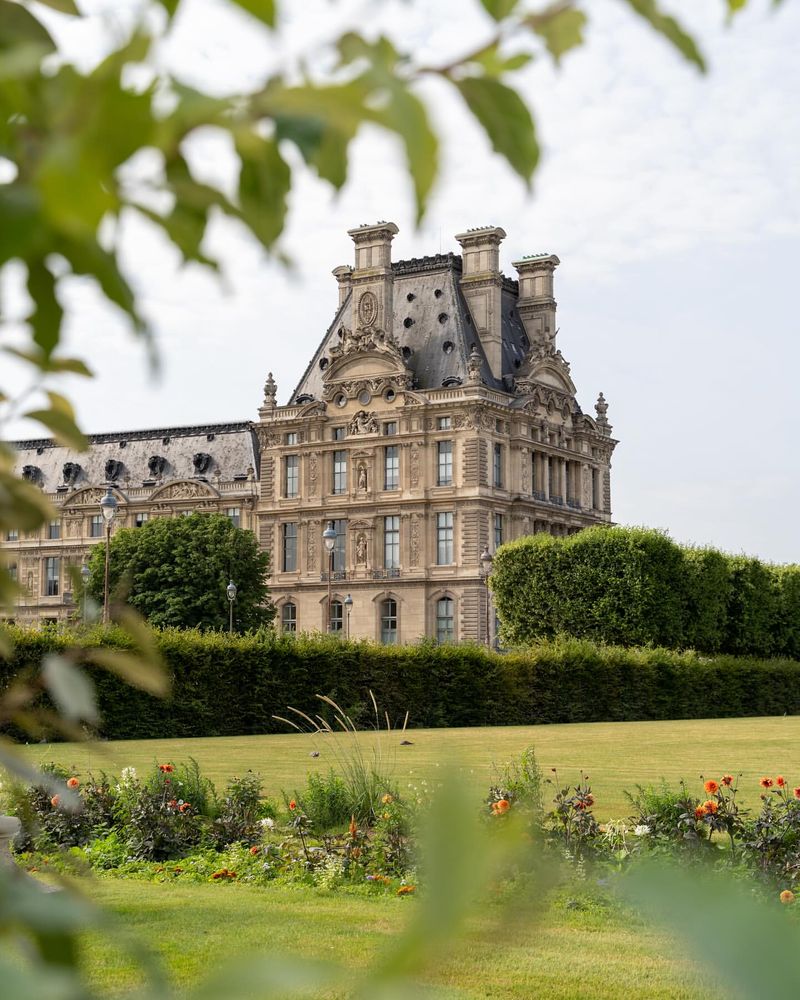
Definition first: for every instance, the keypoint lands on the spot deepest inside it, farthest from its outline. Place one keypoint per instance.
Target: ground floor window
(445, 619)
(337, 616)
(389, 622)
(289, 617)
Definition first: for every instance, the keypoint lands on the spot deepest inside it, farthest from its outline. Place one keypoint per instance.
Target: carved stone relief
(312, 474)
(413, 467)
(183, 491)
(413, 555)
(367, 308)
(363, 423)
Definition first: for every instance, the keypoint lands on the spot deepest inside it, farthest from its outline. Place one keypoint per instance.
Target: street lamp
(486, 572)
(85, 580)
(329, 538)
(230, 590)
(348, 606)
(108, 508)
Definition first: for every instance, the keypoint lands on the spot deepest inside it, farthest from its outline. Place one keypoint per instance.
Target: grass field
(580, 949)
(617, 756)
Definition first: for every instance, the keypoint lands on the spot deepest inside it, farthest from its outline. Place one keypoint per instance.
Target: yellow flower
(787, 897)
(387, 799)
(386, 816)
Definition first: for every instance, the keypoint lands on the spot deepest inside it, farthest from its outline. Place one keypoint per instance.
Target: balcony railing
(339, 574)
(385, 574)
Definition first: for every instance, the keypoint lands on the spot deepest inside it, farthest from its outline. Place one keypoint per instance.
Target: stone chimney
(371, 278)
(343, 274)
(482, 285)
(536, 305)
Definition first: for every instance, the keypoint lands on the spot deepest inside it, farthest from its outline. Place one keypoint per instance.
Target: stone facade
(436, 418)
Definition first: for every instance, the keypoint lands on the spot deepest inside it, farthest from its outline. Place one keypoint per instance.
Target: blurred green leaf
(561, 30)
(45, 320)
(263, 10)
(62, 6)
(268, 975)
(494, 63)
(670, 29)
(70, 689)
(49, 364)
(87, 257)
(63, 427)
(264, 183)
(19, 27)
(505, 119)
(499, 9)
(22, 505)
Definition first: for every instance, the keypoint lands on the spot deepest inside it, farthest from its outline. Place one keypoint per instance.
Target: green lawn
(617, 756)
(580, 949)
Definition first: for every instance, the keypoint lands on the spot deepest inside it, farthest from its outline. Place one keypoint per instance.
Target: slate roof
(432, 326)
(233, 449)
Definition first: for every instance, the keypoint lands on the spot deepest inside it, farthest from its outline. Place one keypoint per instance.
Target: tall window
(337, 616)
(54, 529)
(140, 519)
(339, 546)
(445, 619)
(444, 476)
(498, 531)
(235, 514)
(389, 622)
(291, 475)
(391, 542)
(444, 538)
(52, 569)
(391, 467)
(340, 471)
(498, 466)
(12, 535)
(289, 547)
(596, 489)
(96, 526)
(289, 617)
(12, 571)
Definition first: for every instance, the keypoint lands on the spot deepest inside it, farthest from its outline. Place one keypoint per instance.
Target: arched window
(445, 619)
(289, 617)
(337, 616)
(389, 621)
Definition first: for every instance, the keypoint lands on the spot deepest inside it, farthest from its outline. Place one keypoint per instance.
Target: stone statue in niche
(201, 462)
(156, 464)
(361, 549)
(113, 470)
(362, 477)
(71, 472)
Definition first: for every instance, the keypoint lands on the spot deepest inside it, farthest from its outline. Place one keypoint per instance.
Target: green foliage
(326, 801)
(636, 587)
(225, 686)
(239, 812)
(174, 571)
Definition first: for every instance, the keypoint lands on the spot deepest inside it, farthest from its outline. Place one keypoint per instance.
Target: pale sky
(672, 199)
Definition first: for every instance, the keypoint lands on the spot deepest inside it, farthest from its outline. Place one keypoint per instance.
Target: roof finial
(270, 392)
(601, 407)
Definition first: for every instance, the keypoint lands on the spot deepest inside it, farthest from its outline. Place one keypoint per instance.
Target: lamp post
(348, 606)
(85, 580)
(108, 507)
(230, 590)
(486, 572)
(329, 538)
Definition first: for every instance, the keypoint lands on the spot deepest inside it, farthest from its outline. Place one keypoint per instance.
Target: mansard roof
(213, 451)
(432, 327)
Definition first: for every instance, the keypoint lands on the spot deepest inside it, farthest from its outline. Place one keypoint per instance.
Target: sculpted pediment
(184, 490)
(545, 366)
(91, 495)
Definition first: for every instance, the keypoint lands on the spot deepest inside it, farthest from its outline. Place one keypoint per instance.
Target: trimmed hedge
(636, 587)
(225, 686)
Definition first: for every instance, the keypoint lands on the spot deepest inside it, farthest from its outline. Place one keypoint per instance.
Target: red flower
(780, 781)
(766, 782)
(588, 799)
(796, 793)
(173, 803)
(500, 807)
(727, 779)
(184, 807)
(254, 849)
(292, 805)
(166, 768)
(710, 807)
(711, 787)
(72, 782)
(55, 800)
(699, 812)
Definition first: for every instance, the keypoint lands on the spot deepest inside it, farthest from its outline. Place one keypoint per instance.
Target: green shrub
(326, 801)
(239, 813)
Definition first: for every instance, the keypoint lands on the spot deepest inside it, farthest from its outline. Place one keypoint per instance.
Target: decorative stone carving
(526, 468)
(71, 472)
(270, 392)
(413, 467)
(311, 546)
(312, 474)
(474, 367)
(32, 473)
(363, 423)
(586, 492)
(201, 462)
(183, 491)
(362, 477)
(156, 464)
(361, 549)
(366, 340)
(266, 438)
(413, 545)
(601, 407)
(113, 470)
(367, 308)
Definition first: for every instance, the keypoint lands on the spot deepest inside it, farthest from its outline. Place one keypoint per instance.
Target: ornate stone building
(436, 418)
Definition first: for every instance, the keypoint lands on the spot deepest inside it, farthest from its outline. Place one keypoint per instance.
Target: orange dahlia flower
(184, 807)
(72, 782)
(55, 800)
(711, 787)
(292, 805)
(766, 782)
(780, 781)
(699, 812)
(710, 807)
(406, 890)
(254, 849)
(353, 828)
(796, 792)
(166, 768)
(500, 807)
(727, 779)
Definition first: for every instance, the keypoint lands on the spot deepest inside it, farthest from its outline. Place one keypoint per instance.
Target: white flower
(128, 774)
(642, 830)
(268, 822)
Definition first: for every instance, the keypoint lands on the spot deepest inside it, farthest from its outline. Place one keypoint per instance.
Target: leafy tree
(174, 571)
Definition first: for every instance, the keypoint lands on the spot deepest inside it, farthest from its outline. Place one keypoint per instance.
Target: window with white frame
(498, 531)
(96, 526)
(444, 474)
(390, 427)
(388, 612)
(54, 529)
(289, 617)
(498, 466)
(291, 480)
(235, 515)
(337, 616)
(140, 519)
(289, 547)
(391, 467)
(443, 423)
(445, 619)
(340, 471)
(391, 542)
(444, 538)
(291, 437)
(52, 571)
(12, 535)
